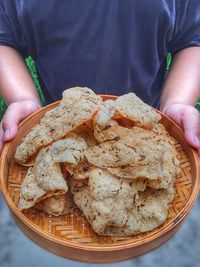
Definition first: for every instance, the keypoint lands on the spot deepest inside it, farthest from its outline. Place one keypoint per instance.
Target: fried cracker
(77, 106)
(132, 107)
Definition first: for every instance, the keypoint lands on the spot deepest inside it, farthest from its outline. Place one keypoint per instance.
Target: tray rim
(115, 247)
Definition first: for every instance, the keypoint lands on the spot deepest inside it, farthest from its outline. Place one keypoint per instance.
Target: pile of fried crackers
(112, 159)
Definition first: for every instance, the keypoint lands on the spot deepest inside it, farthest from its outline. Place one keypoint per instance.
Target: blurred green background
(32, 69)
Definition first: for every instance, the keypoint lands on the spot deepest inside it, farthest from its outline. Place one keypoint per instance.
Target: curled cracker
(30, 191)
(54, 205)
(47, 173)
(102, 121)
(69, 149)
(132, 107)
(106, 201)
(77, 106)
(79, 172)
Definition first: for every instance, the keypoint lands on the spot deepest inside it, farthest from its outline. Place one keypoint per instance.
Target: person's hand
(188, 118)
(14, 114)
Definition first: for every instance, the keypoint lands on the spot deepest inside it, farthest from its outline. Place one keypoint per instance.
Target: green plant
(2, 107)
(31, 66)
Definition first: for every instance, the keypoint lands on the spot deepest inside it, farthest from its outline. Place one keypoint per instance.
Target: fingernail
(197, 140)
(6, 134)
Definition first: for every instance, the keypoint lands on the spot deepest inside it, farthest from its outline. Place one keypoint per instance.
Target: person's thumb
(191, 126)
(189, 119)
(14, 114)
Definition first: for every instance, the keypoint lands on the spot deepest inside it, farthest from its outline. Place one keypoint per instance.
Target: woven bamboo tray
(70, 235)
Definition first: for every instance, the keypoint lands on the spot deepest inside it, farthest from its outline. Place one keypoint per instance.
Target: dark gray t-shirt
(111, 46)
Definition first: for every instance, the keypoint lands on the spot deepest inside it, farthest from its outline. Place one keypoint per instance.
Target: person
(110, 46)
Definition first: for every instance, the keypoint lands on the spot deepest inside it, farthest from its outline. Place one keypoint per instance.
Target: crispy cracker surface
(132, 107)
(77, 106)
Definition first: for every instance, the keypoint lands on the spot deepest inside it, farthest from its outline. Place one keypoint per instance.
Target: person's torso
(111, 46)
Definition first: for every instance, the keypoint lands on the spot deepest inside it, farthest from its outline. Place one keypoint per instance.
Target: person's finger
(14, 114)
(190, 121)
(1, 137)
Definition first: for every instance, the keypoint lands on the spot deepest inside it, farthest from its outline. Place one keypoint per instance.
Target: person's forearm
(182, 84)
(16, 83)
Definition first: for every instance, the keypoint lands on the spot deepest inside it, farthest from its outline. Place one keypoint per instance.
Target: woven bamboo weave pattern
(73, 227)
